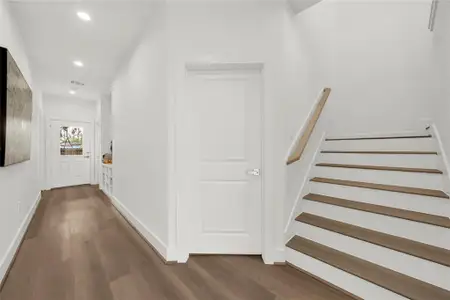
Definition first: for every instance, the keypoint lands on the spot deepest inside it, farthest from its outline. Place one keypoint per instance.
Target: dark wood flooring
(79, 248)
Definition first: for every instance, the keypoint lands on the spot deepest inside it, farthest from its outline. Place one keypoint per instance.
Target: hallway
(79, 247)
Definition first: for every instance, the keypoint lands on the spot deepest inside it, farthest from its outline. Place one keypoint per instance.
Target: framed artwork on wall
(16, 109)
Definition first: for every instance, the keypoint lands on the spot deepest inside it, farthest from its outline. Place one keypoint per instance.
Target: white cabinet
(107, 179)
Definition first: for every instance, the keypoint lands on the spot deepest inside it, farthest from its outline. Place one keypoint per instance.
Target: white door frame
(182, 218)
(48, 145)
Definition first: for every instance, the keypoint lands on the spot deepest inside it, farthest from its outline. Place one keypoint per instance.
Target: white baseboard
(276, 256)
(150, 237)
(12, 249)
(280, 255)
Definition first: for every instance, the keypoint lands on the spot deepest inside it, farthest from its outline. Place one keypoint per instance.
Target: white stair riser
(342, 279)
(388, 144)
(418, 268)
(424, 204)
(419, 180)
(428, 234)
(390, 160)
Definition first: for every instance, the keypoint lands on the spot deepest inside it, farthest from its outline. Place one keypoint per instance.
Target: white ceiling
(54, 37)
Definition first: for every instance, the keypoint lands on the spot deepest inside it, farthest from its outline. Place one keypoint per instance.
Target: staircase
(374, 219)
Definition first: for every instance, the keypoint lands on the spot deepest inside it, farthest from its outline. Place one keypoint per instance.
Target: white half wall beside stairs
(373, 216)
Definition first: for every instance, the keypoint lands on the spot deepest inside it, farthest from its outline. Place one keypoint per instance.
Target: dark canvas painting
(16, 110)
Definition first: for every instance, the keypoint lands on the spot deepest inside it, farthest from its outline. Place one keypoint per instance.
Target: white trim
(9, 256)
(279, 256)
(302, 128)
(267, 227)
(49, 163)
(152, 238)
(305, 181)
(378, 134)
(436, 134)
(182, 254)
(446, 166)
(216, 66)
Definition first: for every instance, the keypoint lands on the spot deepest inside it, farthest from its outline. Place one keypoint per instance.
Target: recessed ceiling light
(78, 63)
(72, 92)
(83, 16)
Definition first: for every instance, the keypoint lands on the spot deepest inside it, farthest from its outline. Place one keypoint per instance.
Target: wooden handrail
(303, 141)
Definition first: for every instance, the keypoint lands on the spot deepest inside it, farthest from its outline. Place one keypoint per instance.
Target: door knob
(254, 172)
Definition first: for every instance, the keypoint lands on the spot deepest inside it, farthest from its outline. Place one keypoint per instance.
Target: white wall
(140, 123)
(379, 71)
(376, 55)
(107, 135)
(69, 108)
(238, 32)
(20, 183)
(378, 58)
(441, 48)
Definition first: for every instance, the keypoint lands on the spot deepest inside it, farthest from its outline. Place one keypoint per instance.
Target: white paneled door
(223, 134)
(69, 153)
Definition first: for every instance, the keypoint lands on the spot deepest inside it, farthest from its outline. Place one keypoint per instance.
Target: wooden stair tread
(381, 168)
(382, 152)
(382, 210)
(380, 138)
(417, 249)
(383, 187)
(396, 282)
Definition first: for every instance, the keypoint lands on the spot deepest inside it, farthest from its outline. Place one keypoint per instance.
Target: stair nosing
(368, 277)
(375, 206)
(383, 187)
(381, 168)
(371, 233)
(380, 138)
(380, 152)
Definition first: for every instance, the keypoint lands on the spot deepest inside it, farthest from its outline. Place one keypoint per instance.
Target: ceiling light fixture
(78, 63)
(84, 16)
(72, 92)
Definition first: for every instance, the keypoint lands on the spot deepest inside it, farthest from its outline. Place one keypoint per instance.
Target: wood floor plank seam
(410, 247)
(382, 210)
(383, 187)
(379, 152)
(395, 282)
(380, 138)
(380, 168)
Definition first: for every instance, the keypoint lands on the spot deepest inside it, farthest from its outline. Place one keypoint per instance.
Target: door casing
(181, 213)
(49, 184)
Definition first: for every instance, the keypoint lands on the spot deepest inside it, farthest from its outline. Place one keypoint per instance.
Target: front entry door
(69, 150)
(224, 148)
